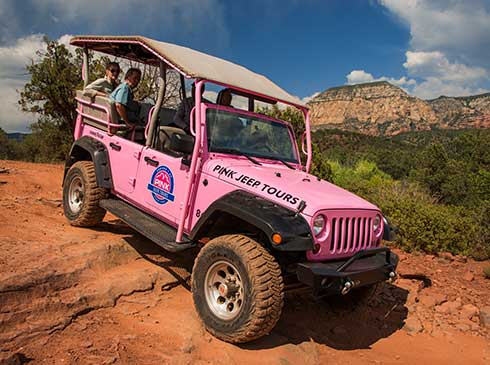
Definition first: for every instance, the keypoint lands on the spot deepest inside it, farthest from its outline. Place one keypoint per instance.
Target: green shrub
(423, 224)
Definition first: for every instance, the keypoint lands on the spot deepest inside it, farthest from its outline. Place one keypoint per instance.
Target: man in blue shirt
(126, 107)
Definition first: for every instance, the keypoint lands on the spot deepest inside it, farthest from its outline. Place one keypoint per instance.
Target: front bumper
(364, 268)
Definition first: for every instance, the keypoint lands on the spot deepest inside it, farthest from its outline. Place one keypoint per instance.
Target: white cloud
(437, 76)
(306, 99)
(11, 118)
(450, 48)
(436, 64)
(441, 77)
(361, 77)
(13, 76)
(458, 28)
(433, 87)
(14, 58)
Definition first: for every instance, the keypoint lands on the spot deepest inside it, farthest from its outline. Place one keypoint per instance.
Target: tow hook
(392, 277)
(348, 285)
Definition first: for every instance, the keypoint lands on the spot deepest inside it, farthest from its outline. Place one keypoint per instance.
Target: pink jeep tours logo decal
(162, 185)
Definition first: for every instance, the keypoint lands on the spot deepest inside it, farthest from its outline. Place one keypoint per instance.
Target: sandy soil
(107, 295)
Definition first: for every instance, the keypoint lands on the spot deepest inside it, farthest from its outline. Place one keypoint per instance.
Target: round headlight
(377, 223)
(318, 224)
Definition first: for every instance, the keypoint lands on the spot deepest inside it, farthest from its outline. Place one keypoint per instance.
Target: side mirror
(182, 143)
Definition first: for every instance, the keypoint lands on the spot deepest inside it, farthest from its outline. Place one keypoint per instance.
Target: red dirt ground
(107, 295)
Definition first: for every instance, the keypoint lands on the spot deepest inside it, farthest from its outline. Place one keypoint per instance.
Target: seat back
(96, 112)
(166, 116)
(164, 136)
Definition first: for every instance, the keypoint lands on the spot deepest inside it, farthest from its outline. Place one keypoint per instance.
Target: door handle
(115, 146)
(151, 161)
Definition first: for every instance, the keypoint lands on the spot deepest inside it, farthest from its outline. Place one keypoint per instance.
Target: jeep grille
(347, 231)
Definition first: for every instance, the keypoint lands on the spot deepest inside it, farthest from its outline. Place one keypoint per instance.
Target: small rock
(468, 276)
(474, 327)
(413, 325)
(463, 327)
(448, 256)
(110, 360)
(461, 259)
(87, 344)
(428, 327)
(485, 316)
(468, 311)
(128, 337)
(449, 307)
(188, 347)
(431, 300)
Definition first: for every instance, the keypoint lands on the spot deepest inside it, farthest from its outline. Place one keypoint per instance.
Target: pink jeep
(235, 185)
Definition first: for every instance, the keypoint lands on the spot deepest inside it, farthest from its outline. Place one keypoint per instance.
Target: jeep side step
(160, 233)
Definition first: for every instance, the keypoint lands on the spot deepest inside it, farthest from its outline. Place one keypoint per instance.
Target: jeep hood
(285, 186)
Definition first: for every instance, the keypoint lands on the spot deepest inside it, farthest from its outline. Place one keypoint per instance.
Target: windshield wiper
(237, 152)
(280, 160)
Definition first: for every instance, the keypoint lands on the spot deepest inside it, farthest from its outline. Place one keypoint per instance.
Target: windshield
(232, 132)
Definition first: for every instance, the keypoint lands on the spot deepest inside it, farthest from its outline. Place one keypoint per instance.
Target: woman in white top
(105, 85)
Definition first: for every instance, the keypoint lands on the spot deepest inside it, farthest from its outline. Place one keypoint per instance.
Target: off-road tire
(262, 286)
(90, 212)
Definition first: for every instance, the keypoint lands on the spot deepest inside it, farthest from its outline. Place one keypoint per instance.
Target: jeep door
(161, 184)
(124, 157)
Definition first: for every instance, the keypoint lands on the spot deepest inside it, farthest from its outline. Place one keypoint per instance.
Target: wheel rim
(76, 194)
(224, 290)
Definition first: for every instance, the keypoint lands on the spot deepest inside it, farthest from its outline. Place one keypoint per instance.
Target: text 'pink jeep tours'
(234, 184)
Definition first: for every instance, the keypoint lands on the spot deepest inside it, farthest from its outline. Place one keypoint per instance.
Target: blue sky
(427, 47)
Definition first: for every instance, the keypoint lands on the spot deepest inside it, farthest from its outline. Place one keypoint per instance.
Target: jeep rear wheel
(81, 195)
(237, 288)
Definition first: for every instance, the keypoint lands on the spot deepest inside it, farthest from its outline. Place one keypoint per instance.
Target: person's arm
(121, 110)
(94, 89)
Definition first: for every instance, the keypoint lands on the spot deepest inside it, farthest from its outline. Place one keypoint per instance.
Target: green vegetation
(434, 186)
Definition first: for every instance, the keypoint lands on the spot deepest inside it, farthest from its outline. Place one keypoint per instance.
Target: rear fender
(90, 149)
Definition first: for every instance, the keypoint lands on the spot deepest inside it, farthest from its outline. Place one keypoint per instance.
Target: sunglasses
(114, 70)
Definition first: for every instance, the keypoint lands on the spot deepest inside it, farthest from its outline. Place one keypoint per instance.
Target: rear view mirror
(182, 143)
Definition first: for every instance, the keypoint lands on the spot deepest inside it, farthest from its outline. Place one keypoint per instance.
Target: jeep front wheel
(81, 195)
(237, 288)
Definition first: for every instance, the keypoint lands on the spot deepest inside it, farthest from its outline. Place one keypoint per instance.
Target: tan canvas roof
(191, 63)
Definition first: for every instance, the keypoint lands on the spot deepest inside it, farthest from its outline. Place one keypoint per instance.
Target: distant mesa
(380, 108)
(19, 137)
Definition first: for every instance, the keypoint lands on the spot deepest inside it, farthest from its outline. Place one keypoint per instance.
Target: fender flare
(389, 230)
(88, 148)
(267, 216)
